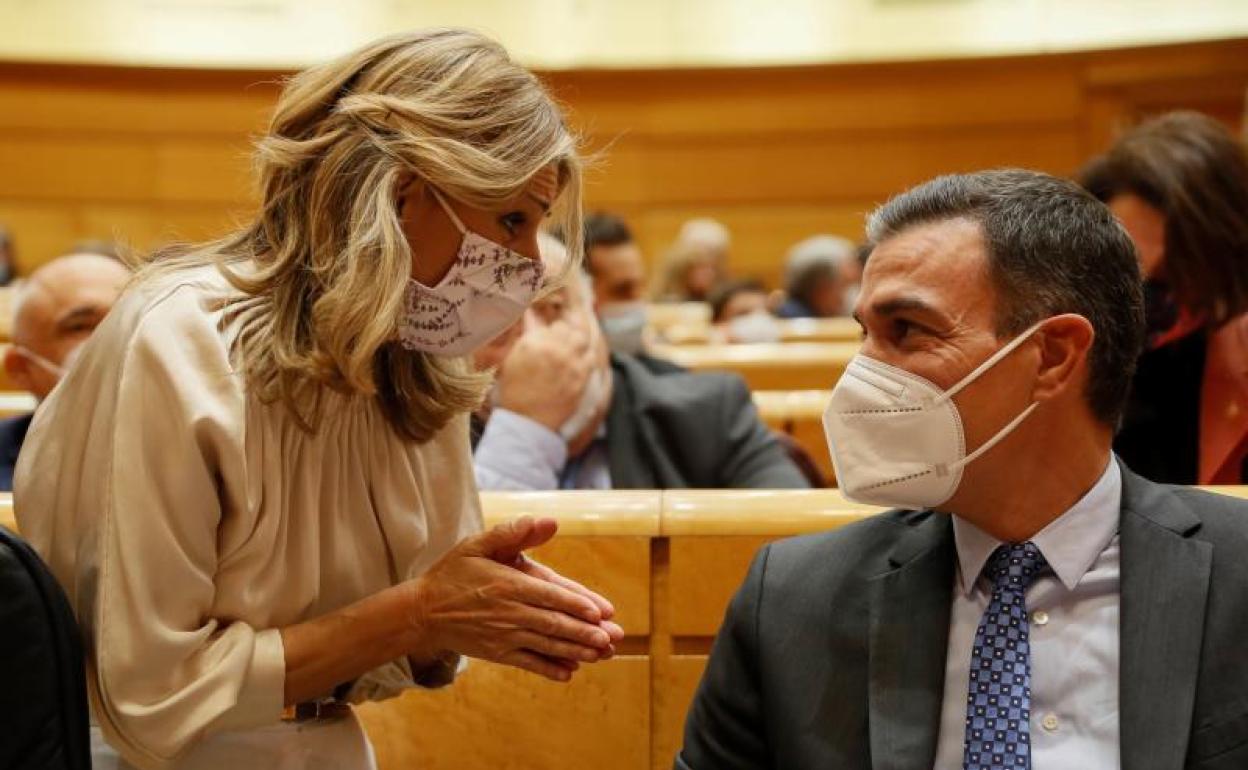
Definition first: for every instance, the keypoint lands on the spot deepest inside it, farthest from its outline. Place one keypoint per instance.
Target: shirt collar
(1070, 543)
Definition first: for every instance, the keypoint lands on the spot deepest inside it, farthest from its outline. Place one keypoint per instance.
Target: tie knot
(1015, 565)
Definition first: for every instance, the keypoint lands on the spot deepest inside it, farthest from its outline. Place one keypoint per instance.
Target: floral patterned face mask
(487, 289)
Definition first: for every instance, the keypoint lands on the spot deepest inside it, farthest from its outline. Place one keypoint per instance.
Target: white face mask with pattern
(487, 289)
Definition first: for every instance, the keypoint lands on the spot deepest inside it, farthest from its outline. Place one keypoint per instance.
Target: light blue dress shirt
(1073, 614)
(518, 454)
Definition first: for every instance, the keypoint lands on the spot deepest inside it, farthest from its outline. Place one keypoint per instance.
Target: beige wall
(777, 153)
(601, 33)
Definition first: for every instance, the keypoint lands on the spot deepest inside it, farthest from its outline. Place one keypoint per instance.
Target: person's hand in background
(545, 373)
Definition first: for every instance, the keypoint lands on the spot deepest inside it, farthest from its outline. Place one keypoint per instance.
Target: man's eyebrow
(78, 312)
(895, 305)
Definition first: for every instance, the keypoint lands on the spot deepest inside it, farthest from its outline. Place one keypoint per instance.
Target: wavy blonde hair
(321, 271)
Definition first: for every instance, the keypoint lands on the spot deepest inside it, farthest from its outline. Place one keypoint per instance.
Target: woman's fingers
(557, 625)
(613, 629)
(531, 661)
(542, 572)
(535, 592)
(556, 648)
(507, 541)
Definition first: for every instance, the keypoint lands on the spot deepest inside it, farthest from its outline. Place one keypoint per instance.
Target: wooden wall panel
(616, 567)
(776, 153)
(705, 573)
(76, 168)
(675, 683)
(507, 719)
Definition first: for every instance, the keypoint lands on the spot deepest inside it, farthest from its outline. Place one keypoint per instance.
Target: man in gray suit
(567, 414)
(1029, 603)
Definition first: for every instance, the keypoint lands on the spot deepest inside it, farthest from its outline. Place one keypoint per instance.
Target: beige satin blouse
(189, 522)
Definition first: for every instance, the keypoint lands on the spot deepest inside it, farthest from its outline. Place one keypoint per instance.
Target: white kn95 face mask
(896, 438)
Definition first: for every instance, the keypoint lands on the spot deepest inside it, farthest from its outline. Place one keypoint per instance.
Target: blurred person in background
(8, 257)
(618, 279)
(820, 278)
(711, 236)
(269, 510)
(567, 414)
(57, 308)
(687, 273)
(1179, 185)
(739, 313)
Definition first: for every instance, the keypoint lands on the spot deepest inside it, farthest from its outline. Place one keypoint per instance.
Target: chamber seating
(799, 413)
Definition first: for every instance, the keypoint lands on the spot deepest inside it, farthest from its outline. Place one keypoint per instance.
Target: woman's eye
(513, 222)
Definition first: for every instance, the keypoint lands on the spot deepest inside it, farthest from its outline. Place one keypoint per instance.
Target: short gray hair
(1052, 249)
(819, 256)
(554, 254)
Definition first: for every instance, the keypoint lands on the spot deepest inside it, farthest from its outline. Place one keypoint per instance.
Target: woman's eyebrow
(545, 204)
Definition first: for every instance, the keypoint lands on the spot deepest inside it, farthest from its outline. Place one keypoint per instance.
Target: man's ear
(1065, 341)
(17, 367)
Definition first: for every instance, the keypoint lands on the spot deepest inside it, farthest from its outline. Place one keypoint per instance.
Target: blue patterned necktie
(998, 701)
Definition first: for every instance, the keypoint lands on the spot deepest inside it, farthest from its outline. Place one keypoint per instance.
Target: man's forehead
(617, 255)
(940, 254)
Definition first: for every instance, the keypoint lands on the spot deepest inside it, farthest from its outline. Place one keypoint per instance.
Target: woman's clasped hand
(487, 600)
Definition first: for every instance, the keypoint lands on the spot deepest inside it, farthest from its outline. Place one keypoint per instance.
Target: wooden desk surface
(778, 406)
(791, 330)
(13, 403)
(661, 315)
(8, 298)
(581, 513)
(769, 366)
(673, 513)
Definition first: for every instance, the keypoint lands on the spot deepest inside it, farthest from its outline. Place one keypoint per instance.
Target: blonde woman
(687, 273)
(270, 510)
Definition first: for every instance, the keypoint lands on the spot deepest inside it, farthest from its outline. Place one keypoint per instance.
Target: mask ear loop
(992, 361)
(1012, 424)
(48, 366)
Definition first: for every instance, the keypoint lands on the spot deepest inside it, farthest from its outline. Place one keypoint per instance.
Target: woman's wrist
(423, 648)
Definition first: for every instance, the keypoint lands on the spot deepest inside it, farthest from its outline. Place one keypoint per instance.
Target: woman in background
(1179, 185)
(688, 273)
(269, 510)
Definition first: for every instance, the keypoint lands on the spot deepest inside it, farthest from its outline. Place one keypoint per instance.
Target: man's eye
(901, 329)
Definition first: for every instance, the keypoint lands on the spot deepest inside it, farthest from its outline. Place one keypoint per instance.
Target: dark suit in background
(833, 652)
(12, 434)
(671, 429)
(1160, 433)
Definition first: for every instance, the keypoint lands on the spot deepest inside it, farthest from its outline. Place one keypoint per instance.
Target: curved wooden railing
(670, 561)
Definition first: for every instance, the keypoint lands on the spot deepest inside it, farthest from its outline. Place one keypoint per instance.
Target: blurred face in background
(557, 334)
(827, 296)
(619, 275)
(701, 276)
(743, 303)
(58, 308)
(1146, 225)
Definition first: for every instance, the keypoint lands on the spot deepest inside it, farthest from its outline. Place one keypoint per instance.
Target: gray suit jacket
(672, 429)
(832, 654)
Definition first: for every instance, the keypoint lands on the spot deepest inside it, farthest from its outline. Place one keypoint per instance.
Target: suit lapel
(1165, 583)
(908, 646)
(626, 453)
